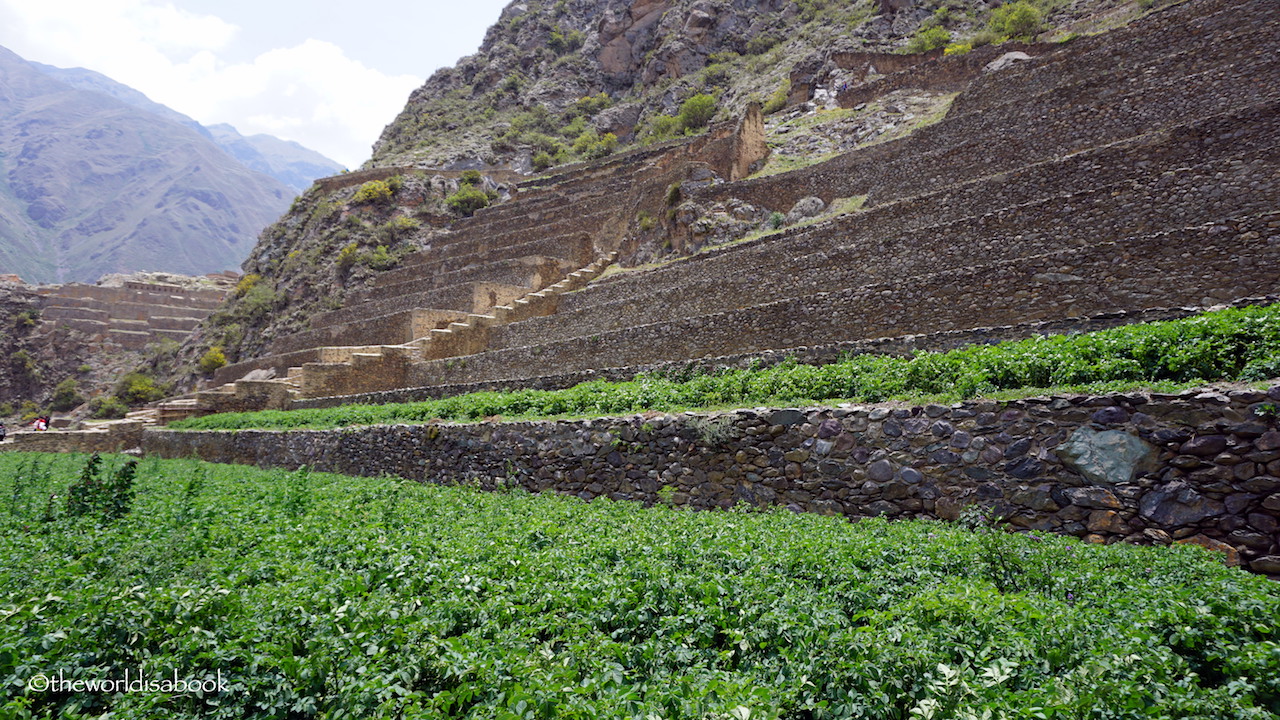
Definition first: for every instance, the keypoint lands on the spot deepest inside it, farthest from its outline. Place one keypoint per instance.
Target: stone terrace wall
(116, 437)
(1081, 108)
(1200, 465)
(359, 177)
(1221, 262)
(1215, 191)
(902, 345)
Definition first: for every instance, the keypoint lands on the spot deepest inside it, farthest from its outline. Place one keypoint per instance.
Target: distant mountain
(284, 160)
(83, 79)
(90, 184)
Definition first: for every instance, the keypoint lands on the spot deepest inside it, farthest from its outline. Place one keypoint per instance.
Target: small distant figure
(3, 431)
(41, 424)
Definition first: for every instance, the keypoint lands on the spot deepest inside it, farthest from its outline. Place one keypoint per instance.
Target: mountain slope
(284, 160)
(91, 185)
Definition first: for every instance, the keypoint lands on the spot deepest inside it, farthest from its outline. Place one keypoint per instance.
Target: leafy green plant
(379, 258)
(1017, 20)
(542, 160)
(374, 192)
(778, 100)
(563, 41)
(930, 38)
(136, 388)
(107, 407)
(467, 200)
(383, 598)
(66, 395)
(107, 498)
(397, 229)
(211, 360)
(697, 111)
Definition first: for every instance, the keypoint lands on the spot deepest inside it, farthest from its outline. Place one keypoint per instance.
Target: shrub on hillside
(467, 200)
(778, 99)
(374, 192)
(212, 359)
(543, 160)
(136, 388)
(592, 145)
(927, 39)
(1017, 20)
(107, 408)
(66, 395)
(697, 111)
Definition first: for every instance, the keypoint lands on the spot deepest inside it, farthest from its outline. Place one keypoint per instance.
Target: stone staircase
(348, 370)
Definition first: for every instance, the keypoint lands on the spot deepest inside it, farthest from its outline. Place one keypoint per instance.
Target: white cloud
(311, 92)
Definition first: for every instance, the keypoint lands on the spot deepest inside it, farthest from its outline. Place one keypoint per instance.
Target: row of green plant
(316, 595)
(1232, 344)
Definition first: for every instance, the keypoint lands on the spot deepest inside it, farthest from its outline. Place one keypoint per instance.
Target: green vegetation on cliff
(1233, 344)
(316, 595)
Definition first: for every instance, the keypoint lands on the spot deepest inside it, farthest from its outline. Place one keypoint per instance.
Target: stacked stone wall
(902, 345)
(936, 73)
(117, 437)
(1200, 29)
(1218, 262)
(1202, 466)
(334, 183)
(1213, 191)
(1079, 112)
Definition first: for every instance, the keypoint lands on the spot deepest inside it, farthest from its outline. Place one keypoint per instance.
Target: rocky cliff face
(91, 185)
(523, 92)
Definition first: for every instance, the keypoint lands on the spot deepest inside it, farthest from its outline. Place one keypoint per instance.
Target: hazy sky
(327, 74)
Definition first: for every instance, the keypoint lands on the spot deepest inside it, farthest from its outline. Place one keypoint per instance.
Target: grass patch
(318, 595)
(1232, 344)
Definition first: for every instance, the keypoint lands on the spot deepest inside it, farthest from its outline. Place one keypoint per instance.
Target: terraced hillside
(1121, 172)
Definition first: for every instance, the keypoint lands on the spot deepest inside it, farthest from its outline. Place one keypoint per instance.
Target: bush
(958, 49)
(564, 41)
(928, 39)
(108, 498)
(467, 200)
(212, 359)
(778, 99)
(663, 128)
(591, 105)
(697, 111)
(592, 145)
(396, 229)
(66, 396)
(379, 258)
(1017, 20)
(107, 408)
(247, 283)
(470, 177)
(762, 43)
(543, 160)
(136, 388)
(347, 256)
(374, 192)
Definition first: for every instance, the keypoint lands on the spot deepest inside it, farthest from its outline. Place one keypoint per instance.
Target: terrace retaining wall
(1199, 466)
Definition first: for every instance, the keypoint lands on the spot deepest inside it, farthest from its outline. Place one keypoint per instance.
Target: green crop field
(314, 595)
(1233, 344)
